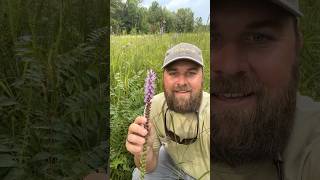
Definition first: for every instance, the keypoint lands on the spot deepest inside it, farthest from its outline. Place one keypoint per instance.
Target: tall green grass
(131, 57)
(310, 55)
(52, 102)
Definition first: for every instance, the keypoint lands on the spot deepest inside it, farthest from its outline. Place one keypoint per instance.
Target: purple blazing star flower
(149, 90)
(149, 86)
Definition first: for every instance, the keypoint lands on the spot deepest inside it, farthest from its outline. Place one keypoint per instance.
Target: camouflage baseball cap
(183, 51)
(290, 5)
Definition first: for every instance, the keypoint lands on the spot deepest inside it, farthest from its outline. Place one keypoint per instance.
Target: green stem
(144, 152)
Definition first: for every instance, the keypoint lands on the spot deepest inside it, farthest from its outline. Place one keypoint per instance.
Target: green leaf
(7, 160)
(4, 149)
(15, 173)
(40, 156)
(4, 101)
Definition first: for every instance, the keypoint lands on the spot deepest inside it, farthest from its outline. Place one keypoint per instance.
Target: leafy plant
(52, 101)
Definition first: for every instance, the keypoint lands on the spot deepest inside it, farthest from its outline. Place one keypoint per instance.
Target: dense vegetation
(52, 81)
(310, 55)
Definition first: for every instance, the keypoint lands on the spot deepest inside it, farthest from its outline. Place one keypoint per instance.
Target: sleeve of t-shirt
(156, 143)
(311, 168)
(154, 117)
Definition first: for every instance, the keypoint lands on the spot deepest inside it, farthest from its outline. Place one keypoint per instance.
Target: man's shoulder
(305, 137)
(307, 117)
(205, 104)
(307, 104)
(158, 98)
(157, 102)
(206, 95)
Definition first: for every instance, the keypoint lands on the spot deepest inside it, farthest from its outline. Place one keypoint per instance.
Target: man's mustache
(234, 84)
(182, 88)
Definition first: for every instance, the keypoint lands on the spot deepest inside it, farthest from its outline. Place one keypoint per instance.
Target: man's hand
(136, 139)
(137, 136)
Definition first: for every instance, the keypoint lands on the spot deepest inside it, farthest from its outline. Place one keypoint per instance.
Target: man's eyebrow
(273, 23)
(189, 69)
(171, 69)
(193, 68)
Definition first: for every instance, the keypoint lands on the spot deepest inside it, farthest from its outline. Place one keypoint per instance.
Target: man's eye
(191, 73)
(258, 38)
(172, 73)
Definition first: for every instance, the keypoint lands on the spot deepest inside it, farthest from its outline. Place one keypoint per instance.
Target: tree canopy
(131, 17)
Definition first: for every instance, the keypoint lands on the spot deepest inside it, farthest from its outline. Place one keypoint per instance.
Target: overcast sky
(200, 8)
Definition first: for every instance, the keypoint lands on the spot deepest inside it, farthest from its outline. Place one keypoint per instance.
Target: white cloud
(146, 3)
(176, 4)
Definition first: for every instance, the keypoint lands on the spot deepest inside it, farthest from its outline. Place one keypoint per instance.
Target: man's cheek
(274, 69)
(271, 76)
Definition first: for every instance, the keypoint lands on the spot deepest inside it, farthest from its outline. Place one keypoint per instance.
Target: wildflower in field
(149, 90)
(149, 86)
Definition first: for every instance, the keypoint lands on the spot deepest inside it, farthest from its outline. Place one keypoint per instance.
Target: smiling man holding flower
(178, 139)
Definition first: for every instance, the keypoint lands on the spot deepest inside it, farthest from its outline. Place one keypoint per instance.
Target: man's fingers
(134, 149)
(134, 139)
(137, 129)
(136, 135)
(140, 120)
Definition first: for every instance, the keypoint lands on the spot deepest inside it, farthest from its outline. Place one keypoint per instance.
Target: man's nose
(230, 59)
(181, 80)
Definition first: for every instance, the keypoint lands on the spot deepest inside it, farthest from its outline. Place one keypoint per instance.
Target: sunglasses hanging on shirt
(174, 137)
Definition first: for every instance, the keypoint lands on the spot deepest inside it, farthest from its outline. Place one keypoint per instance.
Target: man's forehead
(259, 22)
(248, 14)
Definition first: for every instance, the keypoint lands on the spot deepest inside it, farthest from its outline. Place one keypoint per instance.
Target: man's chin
(250, 135)
(181, 107)
(183, 102)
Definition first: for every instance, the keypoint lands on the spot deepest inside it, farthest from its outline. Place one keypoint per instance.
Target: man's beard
(240, 136)
(183, 105)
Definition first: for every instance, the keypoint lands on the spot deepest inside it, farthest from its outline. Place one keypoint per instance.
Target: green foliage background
(310, 55)
(52, 82)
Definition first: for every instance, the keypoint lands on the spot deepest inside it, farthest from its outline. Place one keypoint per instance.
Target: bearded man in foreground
(178, 144)
(260, 127)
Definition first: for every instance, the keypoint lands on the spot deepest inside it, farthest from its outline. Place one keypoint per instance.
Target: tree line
(130, 17)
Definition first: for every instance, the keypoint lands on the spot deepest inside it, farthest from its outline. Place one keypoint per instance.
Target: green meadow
(130, 58)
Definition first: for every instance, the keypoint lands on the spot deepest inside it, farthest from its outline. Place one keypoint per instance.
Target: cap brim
(181, 58)
(288, 7)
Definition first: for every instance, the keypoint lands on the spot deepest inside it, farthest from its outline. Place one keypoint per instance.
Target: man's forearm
(151, 160)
